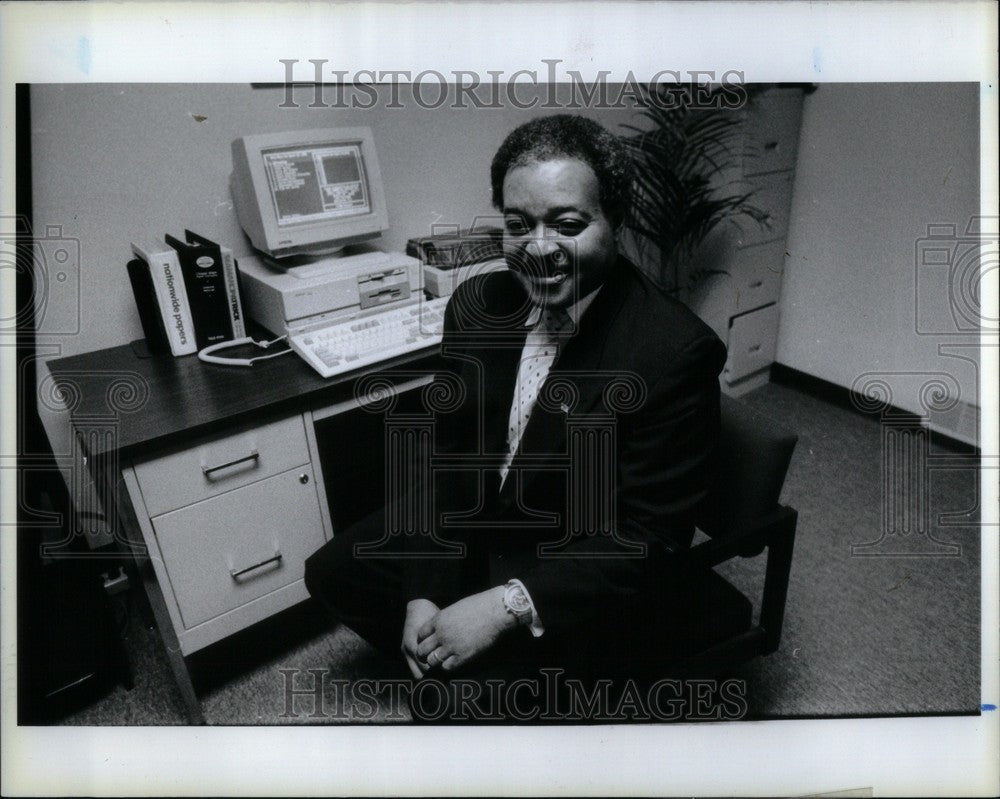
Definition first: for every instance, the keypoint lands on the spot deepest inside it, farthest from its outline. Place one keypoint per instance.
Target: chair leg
(779, 565)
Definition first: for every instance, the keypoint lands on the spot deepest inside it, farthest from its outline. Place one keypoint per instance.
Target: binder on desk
(164, 272)
(148, 305)
(201, 266)
(231, 278)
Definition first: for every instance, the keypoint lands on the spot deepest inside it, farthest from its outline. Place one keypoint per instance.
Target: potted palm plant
(685, 154)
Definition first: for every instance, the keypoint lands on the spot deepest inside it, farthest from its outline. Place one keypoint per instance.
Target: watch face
(517, 600)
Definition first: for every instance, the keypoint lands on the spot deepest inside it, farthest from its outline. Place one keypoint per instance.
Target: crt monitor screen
(317, 183)
(308, 192)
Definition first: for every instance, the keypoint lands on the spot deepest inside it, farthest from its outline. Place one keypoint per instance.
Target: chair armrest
(762, 532)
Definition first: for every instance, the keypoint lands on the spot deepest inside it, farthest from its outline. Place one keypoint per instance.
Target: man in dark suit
(579, 439)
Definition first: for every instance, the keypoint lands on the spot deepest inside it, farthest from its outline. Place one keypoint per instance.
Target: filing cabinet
(741, 299)
(228, 522)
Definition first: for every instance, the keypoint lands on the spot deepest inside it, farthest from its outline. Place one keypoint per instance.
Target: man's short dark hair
(568, 136)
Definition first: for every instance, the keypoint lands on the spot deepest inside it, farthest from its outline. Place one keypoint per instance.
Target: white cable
(207, 356)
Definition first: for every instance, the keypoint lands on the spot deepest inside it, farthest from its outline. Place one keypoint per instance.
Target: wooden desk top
(161, 401)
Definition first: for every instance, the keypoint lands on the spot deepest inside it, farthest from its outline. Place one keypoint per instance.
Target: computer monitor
(311, 192)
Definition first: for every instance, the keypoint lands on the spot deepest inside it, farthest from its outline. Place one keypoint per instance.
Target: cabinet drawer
(771, 131)
(773, 195)
(214, 466)
(753, 339)
(756, 273)
(226, 551)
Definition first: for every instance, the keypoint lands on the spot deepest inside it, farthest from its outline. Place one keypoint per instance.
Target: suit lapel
(574, 385)
(491, 355)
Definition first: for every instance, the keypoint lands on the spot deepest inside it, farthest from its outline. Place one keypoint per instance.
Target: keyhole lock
(303, 478)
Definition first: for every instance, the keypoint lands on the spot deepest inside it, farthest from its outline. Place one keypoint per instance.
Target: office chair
(713, 631)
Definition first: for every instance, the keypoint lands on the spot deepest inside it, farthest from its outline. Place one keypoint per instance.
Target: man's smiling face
(557, 240)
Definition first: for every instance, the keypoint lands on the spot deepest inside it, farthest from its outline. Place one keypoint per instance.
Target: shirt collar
(574, 311)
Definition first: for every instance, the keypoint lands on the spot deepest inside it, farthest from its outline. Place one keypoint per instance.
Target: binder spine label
(232, 286)
(177, 317)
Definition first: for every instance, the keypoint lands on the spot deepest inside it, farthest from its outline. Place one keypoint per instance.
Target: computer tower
(70, 651)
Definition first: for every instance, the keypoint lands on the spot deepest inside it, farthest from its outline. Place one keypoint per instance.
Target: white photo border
(785, 41)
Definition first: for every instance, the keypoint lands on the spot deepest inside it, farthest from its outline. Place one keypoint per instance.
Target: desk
(211, 478)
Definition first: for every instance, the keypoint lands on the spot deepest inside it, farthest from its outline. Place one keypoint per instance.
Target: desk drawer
(753, 339)
(756, 273)
(215, 466)
(229, 550)
(773, 195)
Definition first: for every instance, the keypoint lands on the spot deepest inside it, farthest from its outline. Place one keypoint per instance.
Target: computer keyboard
(348, 345)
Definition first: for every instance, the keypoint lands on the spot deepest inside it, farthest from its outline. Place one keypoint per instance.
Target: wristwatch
(516, 602)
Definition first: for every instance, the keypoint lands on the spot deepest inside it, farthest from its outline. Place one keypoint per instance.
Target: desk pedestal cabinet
(228, 523)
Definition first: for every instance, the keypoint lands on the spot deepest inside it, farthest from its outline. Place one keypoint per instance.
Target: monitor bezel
(258, 216)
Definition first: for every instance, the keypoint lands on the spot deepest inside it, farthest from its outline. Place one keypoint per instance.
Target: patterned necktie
(540, 350)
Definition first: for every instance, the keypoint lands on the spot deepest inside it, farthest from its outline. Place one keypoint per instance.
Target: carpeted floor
(862, 635)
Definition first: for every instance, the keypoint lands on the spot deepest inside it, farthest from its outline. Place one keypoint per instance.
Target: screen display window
(317, 183)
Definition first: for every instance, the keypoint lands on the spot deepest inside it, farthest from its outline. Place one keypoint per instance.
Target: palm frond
(681, 156)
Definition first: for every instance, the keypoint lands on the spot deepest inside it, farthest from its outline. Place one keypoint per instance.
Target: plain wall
(115, 163)
(877, 164)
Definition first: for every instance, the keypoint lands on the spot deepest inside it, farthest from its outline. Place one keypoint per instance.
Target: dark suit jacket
(621, 442)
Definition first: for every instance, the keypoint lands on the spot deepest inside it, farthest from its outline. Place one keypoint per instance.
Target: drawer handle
(236, 574)
(253, 456)
(757, 284)
(771, 145)
(754, 348)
